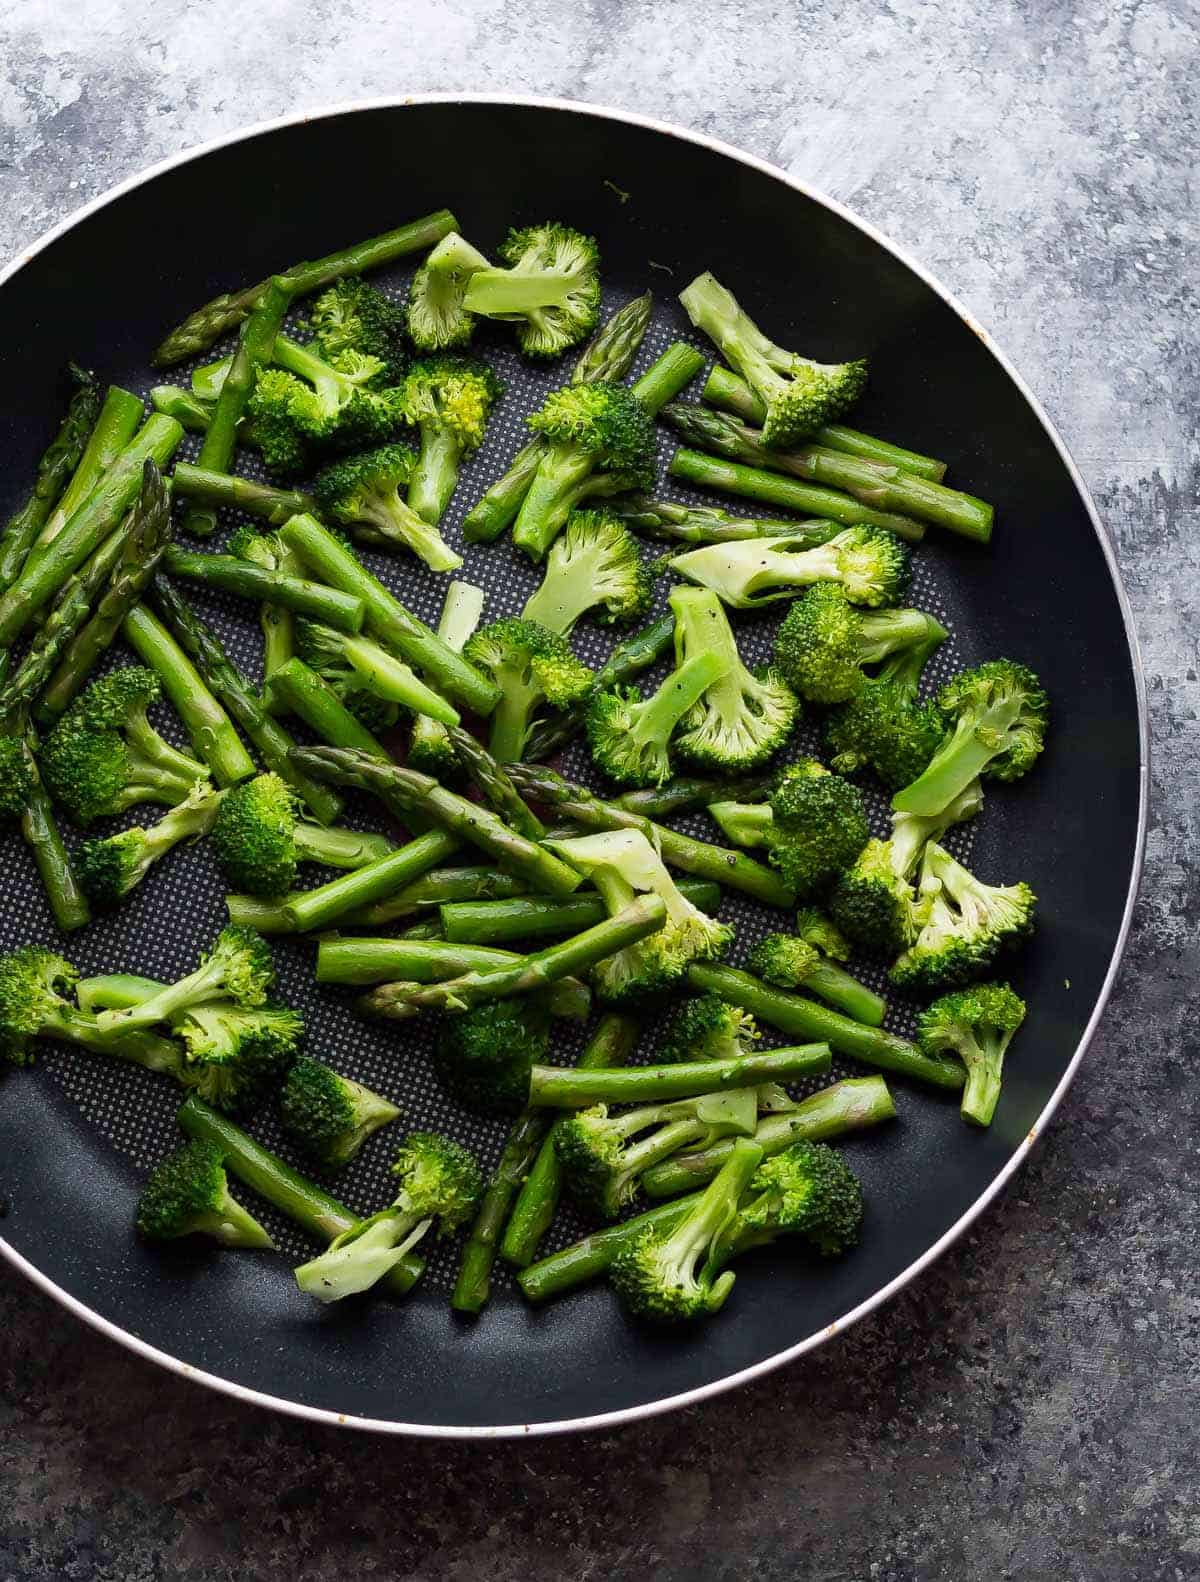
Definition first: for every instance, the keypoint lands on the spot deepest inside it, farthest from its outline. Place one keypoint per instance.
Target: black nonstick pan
(76, 1135)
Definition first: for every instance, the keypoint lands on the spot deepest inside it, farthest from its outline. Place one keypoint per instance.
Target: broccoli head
(799, 395)
(236, 1054)
(629, 735)
(818, 826)
(437, 318)
(352, 316)
(824, 642)
(309, 400)
(363, 492)
(271, 426)
(870, 564)
(976, 1024)
(964, 924)
(18, 777)
(551, 288)
(187, 1194)
(34, 988)
(532, 666)
(883, 727)
(808, 1190)
(448, 400)
(483, 1057)
(706, 1027)
(238, 967)
(595, 565)
(330, 1116)
(819, 931)
(253, 836)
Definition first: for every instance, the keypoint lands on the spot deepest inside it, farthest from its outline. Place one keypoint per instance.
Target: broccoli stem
(115, 991)
(689, 792)
(368, 961)
(494, 784)
(219, 489)
(718, 863)
(435, 477)
(706, 524)
(852, 1105)
(563, 1088)
(473, 1285)
(725, 389)
(229, 574)
(60, 459)
(256, 343)
(339, 848)
(628, 659)
(118, 421)
(297, 689)
(206, 325)
(880, 485)
(744, 823)
(443, 886)
(607, 358)
(773, 488)
(142, 549)
(610, 1046)
(387, 619)
(305, 910)
(527, 975)
(797, 1017)
(405, 790)
(304, 1202)
(537, 917)
(212, 736)
(461, 612)
(230, 686)
(100, 514)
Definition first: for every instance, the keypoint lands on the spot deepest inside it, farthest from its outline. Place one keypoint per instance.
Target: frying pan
(75, 1136)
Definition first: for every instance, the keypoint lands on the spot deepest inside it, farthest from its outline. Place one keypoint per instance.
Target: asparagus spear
(44, 839)
(725, 389)
(564, 1088)
(277, 620)
(574, 956)
(610, 1046)
(387, 619)
(229, 574)
(773, 488)
(435, 889)
(590, 1258)
(217, 489)
(367, 961)
(540, 917)
(607, 358)
(141, 551)
(708, 524)
(274, 744)
(224, 313)
(690, 792)
(114, 427)
(849, 1106)
(628, 659)
(718, 863)
(60, 459)
(405, 790)
(493, 783)
(300, 691)
(797, 1017)
(880, 485)
(473, 1285)
(255, 345)
(306, 910)
(44, 574)
(304, 1202)
(429, 747)
(209, 729)
(189, 411)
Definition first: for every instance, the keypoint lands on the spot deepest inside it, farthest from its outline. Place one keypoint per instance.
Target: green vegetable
(529, 666)
(551, 288)
(883, 727)
(526, 917)
(118, 420)
(962, 926)
(359, 664)
(436, 318)
(594, 564)
(329, 1116)
(260, 842)
(813, 827)
(448, 400)
(824, 642)
(789, 962)
(483, 1058)
(218, 489)
(366, 494)
(229, 574)
(977, 1025)
(187, 1194)
(112, 868)
(429, 748)
(238, 967)
(870, 564)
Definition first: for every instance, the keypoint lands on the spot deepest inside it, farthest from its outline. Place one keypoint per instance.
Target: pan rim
(693, 1397)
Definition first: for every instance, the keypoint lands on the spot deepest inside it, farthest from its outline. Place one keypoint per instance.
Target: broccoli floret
(309, 400)
(870, 564)
(18, 777)
(977, 1025)
(104, 756)
(483, 1057)
(964, 924)
(352, 316)
(674, 1275)
(790, 962)
(238, 968)
(808, 1190)
(784, 960)
(588, 429)
(110, 869)
(237, 1054)
(819, 931)
(824, 642)
(253, 836)
(594, 565)
(440, 1183)
(437, 319)
(743, 719)
(448, 400)
(798, 395)
(622, 864)
(996, 719)
(532, 666)
(330, 1116)
(270, 426)
(551, 288)
(363, 492)
(629, 735)
(884, 728)
(187, 1194)
(706, 1027)
(813, 827)
(34, 985)
(874, 902)
(603, 1156)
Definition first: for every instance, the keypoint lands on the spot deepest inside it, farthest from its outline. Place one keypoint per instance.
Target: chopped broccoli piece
(808, 1190)
(18, 779)
(448, 400)
(437, 319)
(824, 642)
(253, 836)
(284, 449)
(964, 924)
(330, 1116)
(187, 1194)
(594, 565)
(34, 984)
(743, 719)
(363, 492)
(483, 1057)
(629, 735)
(236, 1054)
(352, 316)
(790, 962)
(551, 288)
(110, 869)
(440, 1183)
(706, 1027)
(883, 727)
(308, 400)
(814, 826)
(104, 756)
(819, 931)
(977, 1025)
(238, 967)
(353, 664)
(871, 565)
(532, 666)
(798, 395)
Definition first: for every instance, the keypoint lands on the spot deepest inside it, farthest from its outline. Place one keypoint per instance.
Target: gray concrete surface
(1028, 1409)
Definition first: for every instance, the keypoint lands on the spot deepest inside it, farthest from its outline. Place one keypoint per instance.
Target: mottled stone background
(1028, 1410)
